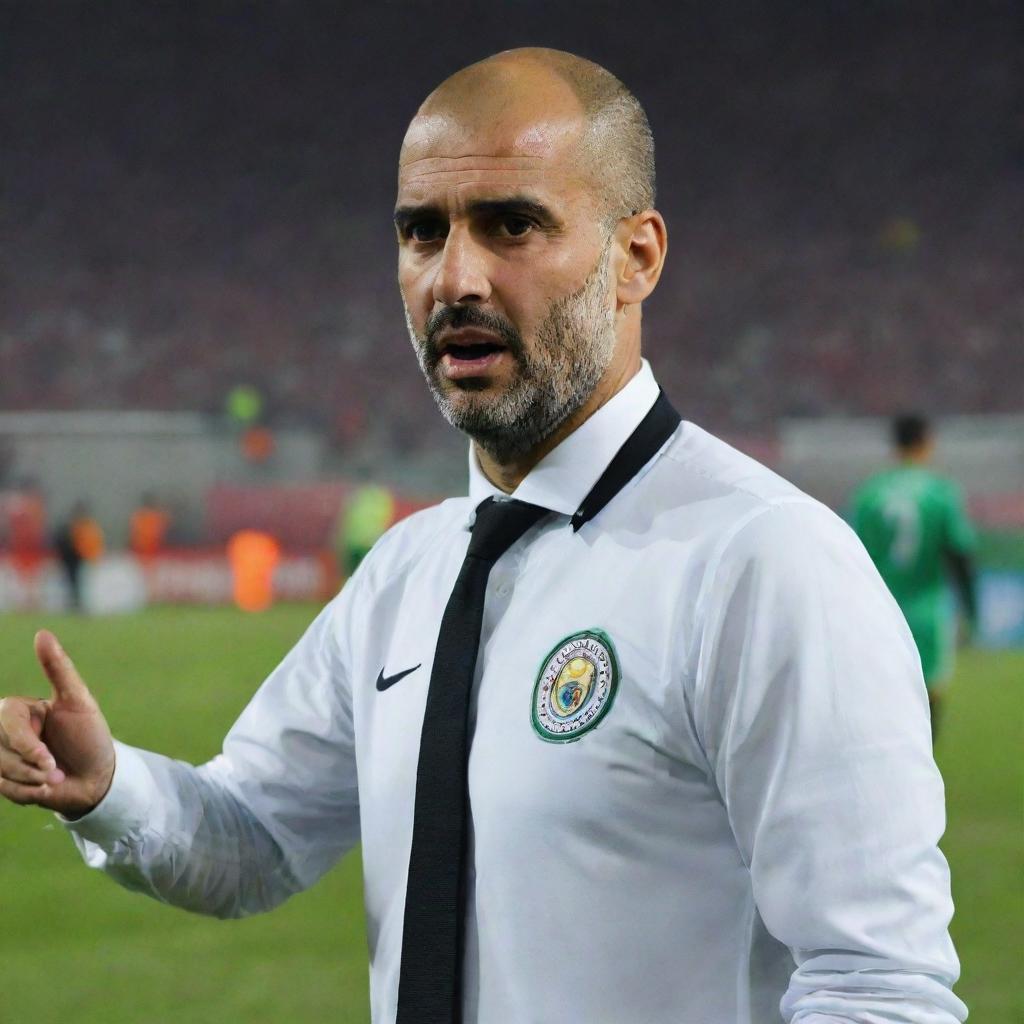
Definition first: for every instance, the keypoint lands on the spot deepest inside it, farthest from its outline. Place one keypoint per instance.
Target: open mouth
(471, 354)
(473, 350)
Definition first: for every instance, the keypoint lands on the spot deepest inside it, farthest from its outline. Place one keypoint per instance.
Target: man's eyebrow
(405, 215)
(512, 205)
(518, 205)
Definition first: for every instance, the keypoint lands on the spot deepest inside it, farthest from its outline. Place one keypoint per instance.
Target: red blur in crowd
(26, 529)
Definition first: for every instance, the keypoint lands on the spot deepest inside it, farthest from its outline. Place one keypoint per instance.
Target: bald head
(563, 95)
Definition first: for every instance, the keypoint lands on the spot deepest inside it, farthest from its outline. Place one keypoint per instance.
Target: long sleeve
(262, 820)
(813, 714)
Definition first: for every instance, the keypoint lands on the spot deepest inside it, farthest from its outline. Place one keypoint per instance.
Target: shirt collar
(564, 477)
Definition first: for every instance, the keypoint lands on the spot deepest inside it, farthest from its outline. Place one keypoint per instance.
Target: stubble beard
(574, 347)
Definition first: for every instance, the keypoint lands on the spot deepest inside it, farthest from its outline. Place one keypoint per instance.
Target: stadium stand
(844, 223)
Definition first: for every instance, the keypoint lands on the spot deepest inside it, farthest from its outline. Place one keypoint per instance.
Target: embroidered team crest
(575, 687)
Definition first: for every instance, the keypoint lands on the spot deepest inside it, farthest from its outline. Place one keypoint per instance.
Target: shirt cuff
(125, 807)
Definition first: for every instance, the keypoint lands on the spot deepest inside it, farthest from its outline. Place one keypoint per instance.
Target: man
(147, 528)
(914, 525)
(699, 787)
(363, 519)
(78, 540)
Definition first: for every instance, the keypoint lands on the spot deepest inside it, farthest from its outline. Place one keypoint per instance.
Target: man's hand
(56, 753)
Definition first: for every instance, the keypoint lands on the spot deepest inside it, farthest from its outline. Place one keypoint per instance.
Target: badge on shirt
(575, 687)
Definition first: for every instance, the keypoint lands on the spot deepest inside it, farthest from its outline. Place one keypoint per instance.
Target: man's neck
(507, 476)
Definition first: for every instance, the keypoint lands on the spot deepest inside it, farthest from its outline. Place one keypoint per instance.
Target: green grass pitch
(75, 947)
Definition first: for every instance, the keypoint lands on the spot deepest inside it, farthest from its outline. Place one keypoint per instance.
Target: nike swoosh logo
(383, 681)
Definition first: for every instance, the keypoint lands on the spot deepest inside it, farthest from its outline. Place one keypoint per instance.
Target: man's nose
(462, 272)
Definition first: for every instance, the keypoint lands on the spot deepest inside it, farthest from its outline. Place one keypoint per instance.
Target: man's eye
(515, 227)
(425, 231)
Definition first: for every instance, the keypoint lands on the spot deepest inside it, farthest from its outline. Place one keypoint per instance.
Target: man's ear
(644, 238)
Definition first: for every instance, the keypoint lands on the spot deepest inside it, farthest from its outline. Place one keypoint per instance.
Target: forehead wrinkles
(438, 170)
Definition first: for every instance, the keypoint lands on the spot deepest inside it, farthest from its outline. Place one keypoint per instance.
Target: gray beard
(574, 347)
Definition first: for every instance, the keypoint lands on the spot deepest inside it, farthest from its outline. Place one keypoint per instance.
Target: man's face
(504, 273)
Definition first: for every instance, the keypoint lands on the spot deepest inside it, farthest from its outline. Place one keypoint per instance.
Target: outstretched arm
(235, 836)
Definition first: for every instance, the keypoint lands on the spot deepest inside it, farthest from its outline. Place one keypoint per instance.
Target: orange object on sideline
(258, 444)
(253, 556)
(87, 538)
(148, 528)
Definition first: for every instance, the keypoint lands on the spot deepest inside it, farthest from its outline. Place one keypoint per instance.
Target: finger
(67, 684)
(21, 721)
(14, 769)
(19, 793)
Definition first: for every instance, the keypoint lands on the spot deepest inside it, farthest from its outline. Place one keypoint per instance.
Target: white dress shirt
(746, 833)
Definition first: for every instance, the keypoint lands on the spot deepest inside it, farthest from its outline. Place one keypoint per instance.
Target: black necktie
(429, 988)
(432, 937)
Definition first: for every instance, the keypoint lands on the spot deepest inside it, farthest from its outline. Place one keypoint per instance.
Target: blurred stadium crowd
(844, 214)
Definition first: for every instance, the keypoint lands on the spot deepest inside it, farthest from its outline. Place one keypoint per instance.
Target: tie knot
(499, 524)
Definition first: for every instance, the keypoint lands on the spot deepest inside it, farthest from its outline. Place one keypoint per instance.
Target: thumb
(68, 688)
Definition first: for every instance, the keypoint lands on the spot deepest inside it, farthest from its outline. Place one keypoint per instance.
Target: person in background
(26, 523)
(253, 555)
(79, 539)
(915, 527)
(365, 516)
(148, 527)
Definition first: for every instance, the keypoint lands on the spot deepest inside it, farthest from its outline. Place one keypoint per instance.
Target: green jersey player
(913, 523)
